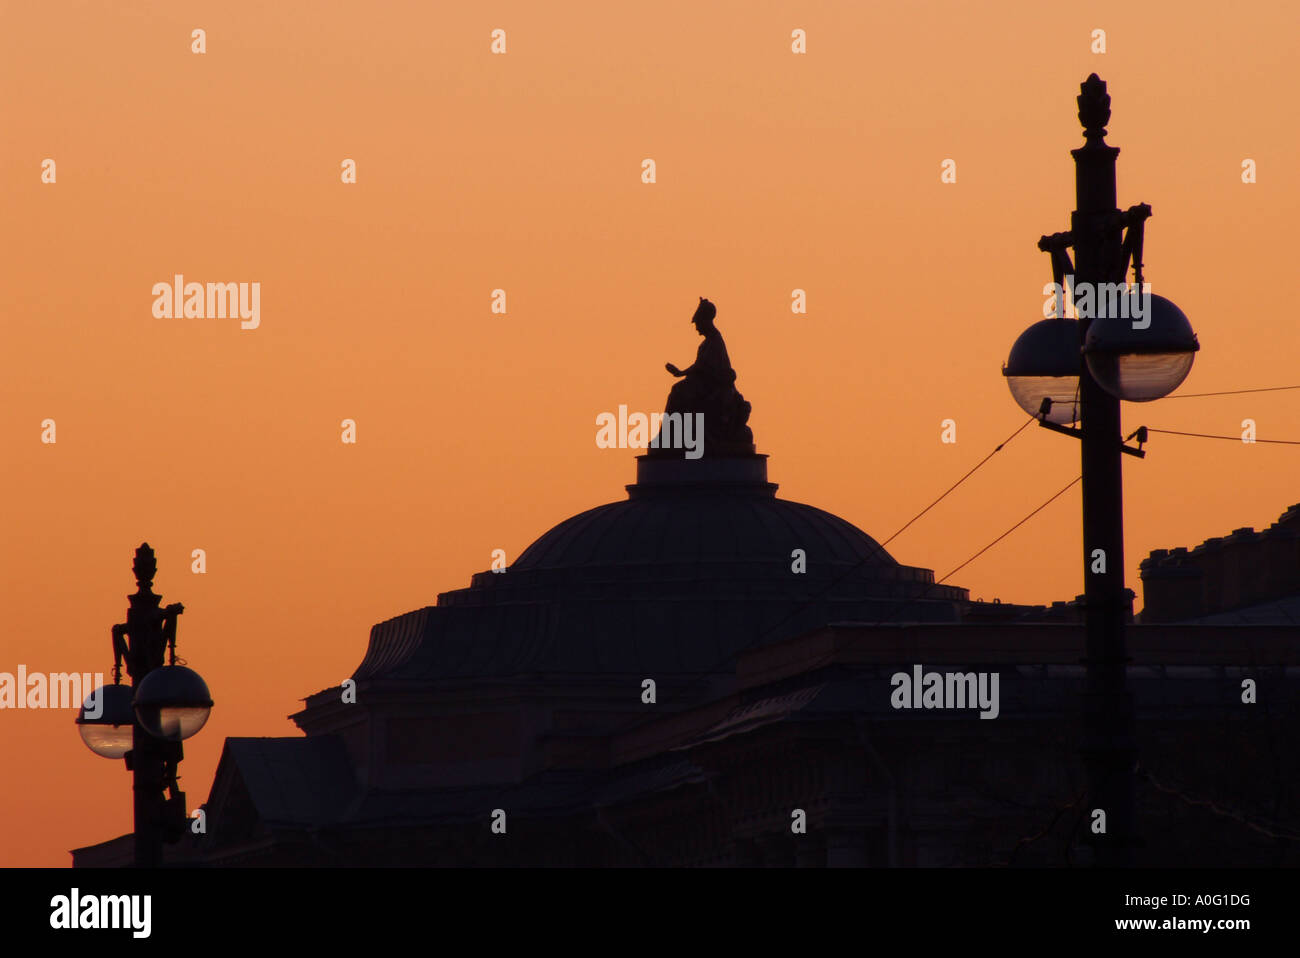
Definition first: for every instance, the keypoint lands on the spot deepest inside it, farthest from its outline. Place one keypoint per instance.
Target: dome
(700, 561)
(701, 529)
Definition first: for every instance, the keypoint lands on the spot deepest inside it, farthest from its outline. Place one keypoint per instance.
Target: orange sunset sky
(522, 171)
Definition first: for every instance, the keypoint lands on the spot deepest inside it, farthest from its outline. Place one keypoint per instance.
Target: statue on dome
(708, 386)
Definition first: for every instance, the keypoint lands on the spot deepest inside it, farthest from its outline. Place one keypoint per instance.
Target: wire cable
(865, 559)
(1232, 392)
(972, 472)
(1268, 828)
(926, 591)
(1202, 435)
(1030, 839)
(1053, 498)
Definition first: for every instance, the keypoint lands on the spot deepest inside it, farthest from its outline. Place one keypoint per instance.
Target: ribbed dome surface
(700, 528)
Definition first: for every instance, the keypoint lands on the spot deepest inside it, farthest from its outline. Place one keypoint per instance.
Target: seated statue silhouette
(708, 386)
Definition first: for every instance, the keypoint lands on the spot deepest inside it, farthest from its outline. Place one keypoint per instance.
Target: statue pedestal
(729, 473)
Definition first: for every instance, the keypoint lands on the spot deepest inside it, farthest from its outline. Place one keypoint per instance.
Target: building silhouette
(705, 674)
(1247, 577)
(525, 695)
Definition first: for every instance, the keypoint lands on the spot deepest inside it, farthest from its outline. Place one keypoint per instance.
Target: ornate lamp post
(1137, 349)
(145, 723)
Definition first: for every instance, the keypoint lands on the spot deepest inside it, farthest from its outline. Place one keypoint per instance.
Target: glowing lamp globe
(172, 703)
(1045, 364)
(1140, 357)
(106, 720)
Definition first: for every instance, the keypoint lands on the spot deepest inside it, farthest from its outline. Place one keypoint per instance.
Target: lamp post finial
(145, 566)
(1094, 107)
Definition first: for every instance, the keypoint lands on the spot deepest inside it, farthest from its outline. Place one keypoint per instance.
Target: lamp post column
(1109, 743)
(147, 782)
(149, 629)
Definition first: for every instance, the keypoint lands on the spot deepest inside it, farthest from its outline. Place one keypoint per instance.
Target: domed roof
(700, 561)
(700, 528)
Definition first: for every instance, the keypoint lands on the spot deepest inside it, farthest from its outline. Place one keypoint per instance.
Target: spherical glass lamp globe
(172, 703)
(1142, 353)
(106, 720)
(1045, 364)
